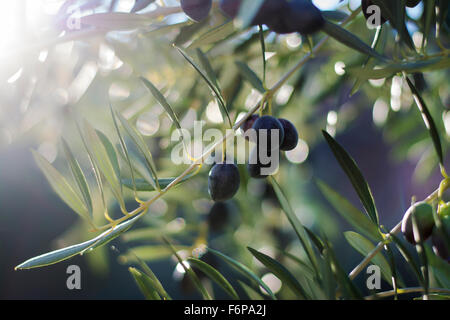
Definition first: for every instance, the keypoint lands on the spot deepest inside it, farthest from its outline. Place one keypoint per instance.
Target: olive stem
(309, 55)
(352, 275)
(390, 293)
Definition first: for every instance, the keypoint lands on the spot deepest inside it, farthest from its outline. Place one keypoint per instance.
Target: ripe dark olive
(248, 124)
(218, 216)
(365, 4)
(412, 3)
(423, 213)
(290, 135)
(197, 10)
(262, 167)
(297, 16)
(282, 16)
(223, 181)
(265, 127)
(440, 241)
(267, 11)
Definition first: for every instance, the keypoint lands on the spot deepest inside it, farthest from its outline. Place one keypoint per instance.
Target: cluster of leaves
(124, 167)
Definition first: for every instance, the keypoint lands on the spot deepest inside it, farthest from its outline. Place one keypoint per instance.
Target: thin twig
(352, 275)
(390, 293)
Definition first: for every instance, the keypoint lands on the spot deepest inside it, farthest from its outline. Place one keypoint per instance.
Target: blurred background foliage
(47, 83)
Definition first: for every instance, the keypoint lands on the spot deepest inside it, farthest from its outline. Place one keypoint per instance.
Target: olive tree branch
(405, 291)
(352, 275)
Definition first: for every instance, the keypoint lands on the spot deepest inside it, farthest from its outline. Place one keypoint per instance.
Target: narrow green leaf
(280, 272)
(145, 284)
(334, 15)
(213, 35)
(428, 119)
(93, 163)
(408, 257)
(162, 101)
(251, 293)
(216, 92)
(143, 185)
(68, 252)
(409, 67)
(439, 267)
(347, 287)
(250, 76)
(148, 253)
(354, 174)
(263, 52)
(215, 276)
(123, 146)
(156, 283)
(364, 246)
(111, 151)
(142, 146)
(206, 65)
(189, 272)
(353, 216)
(428, 13)
(105, 161)
(350, 40)
(78, 176)
(61, 186)
(244, 270)
(296, 224)
(315, 239)
(394, 11)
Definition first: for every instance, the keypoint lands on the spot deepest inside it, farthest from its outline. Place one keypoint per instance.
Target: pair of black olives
(224, 178)
(281, 16)
(266, 145)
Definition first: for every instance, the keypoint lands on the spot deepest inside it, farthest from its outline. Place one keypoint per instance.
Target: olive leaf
(243, 270)
(349, 212)
(364, 246)
(280, 272)
(428, 119)
(61, 186)
(215, 276)
(78, 176)
(350, 40)
(145, 284)
(87, 246)
(354, 174)
(250, 76)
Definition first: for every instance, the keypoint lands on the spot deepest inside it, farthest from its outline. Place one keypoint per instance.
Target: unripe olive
(365, 4)
(266, 127)
(423, 213)
(197, 10)
(223, 181)
(290, 140)
(440, 241)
